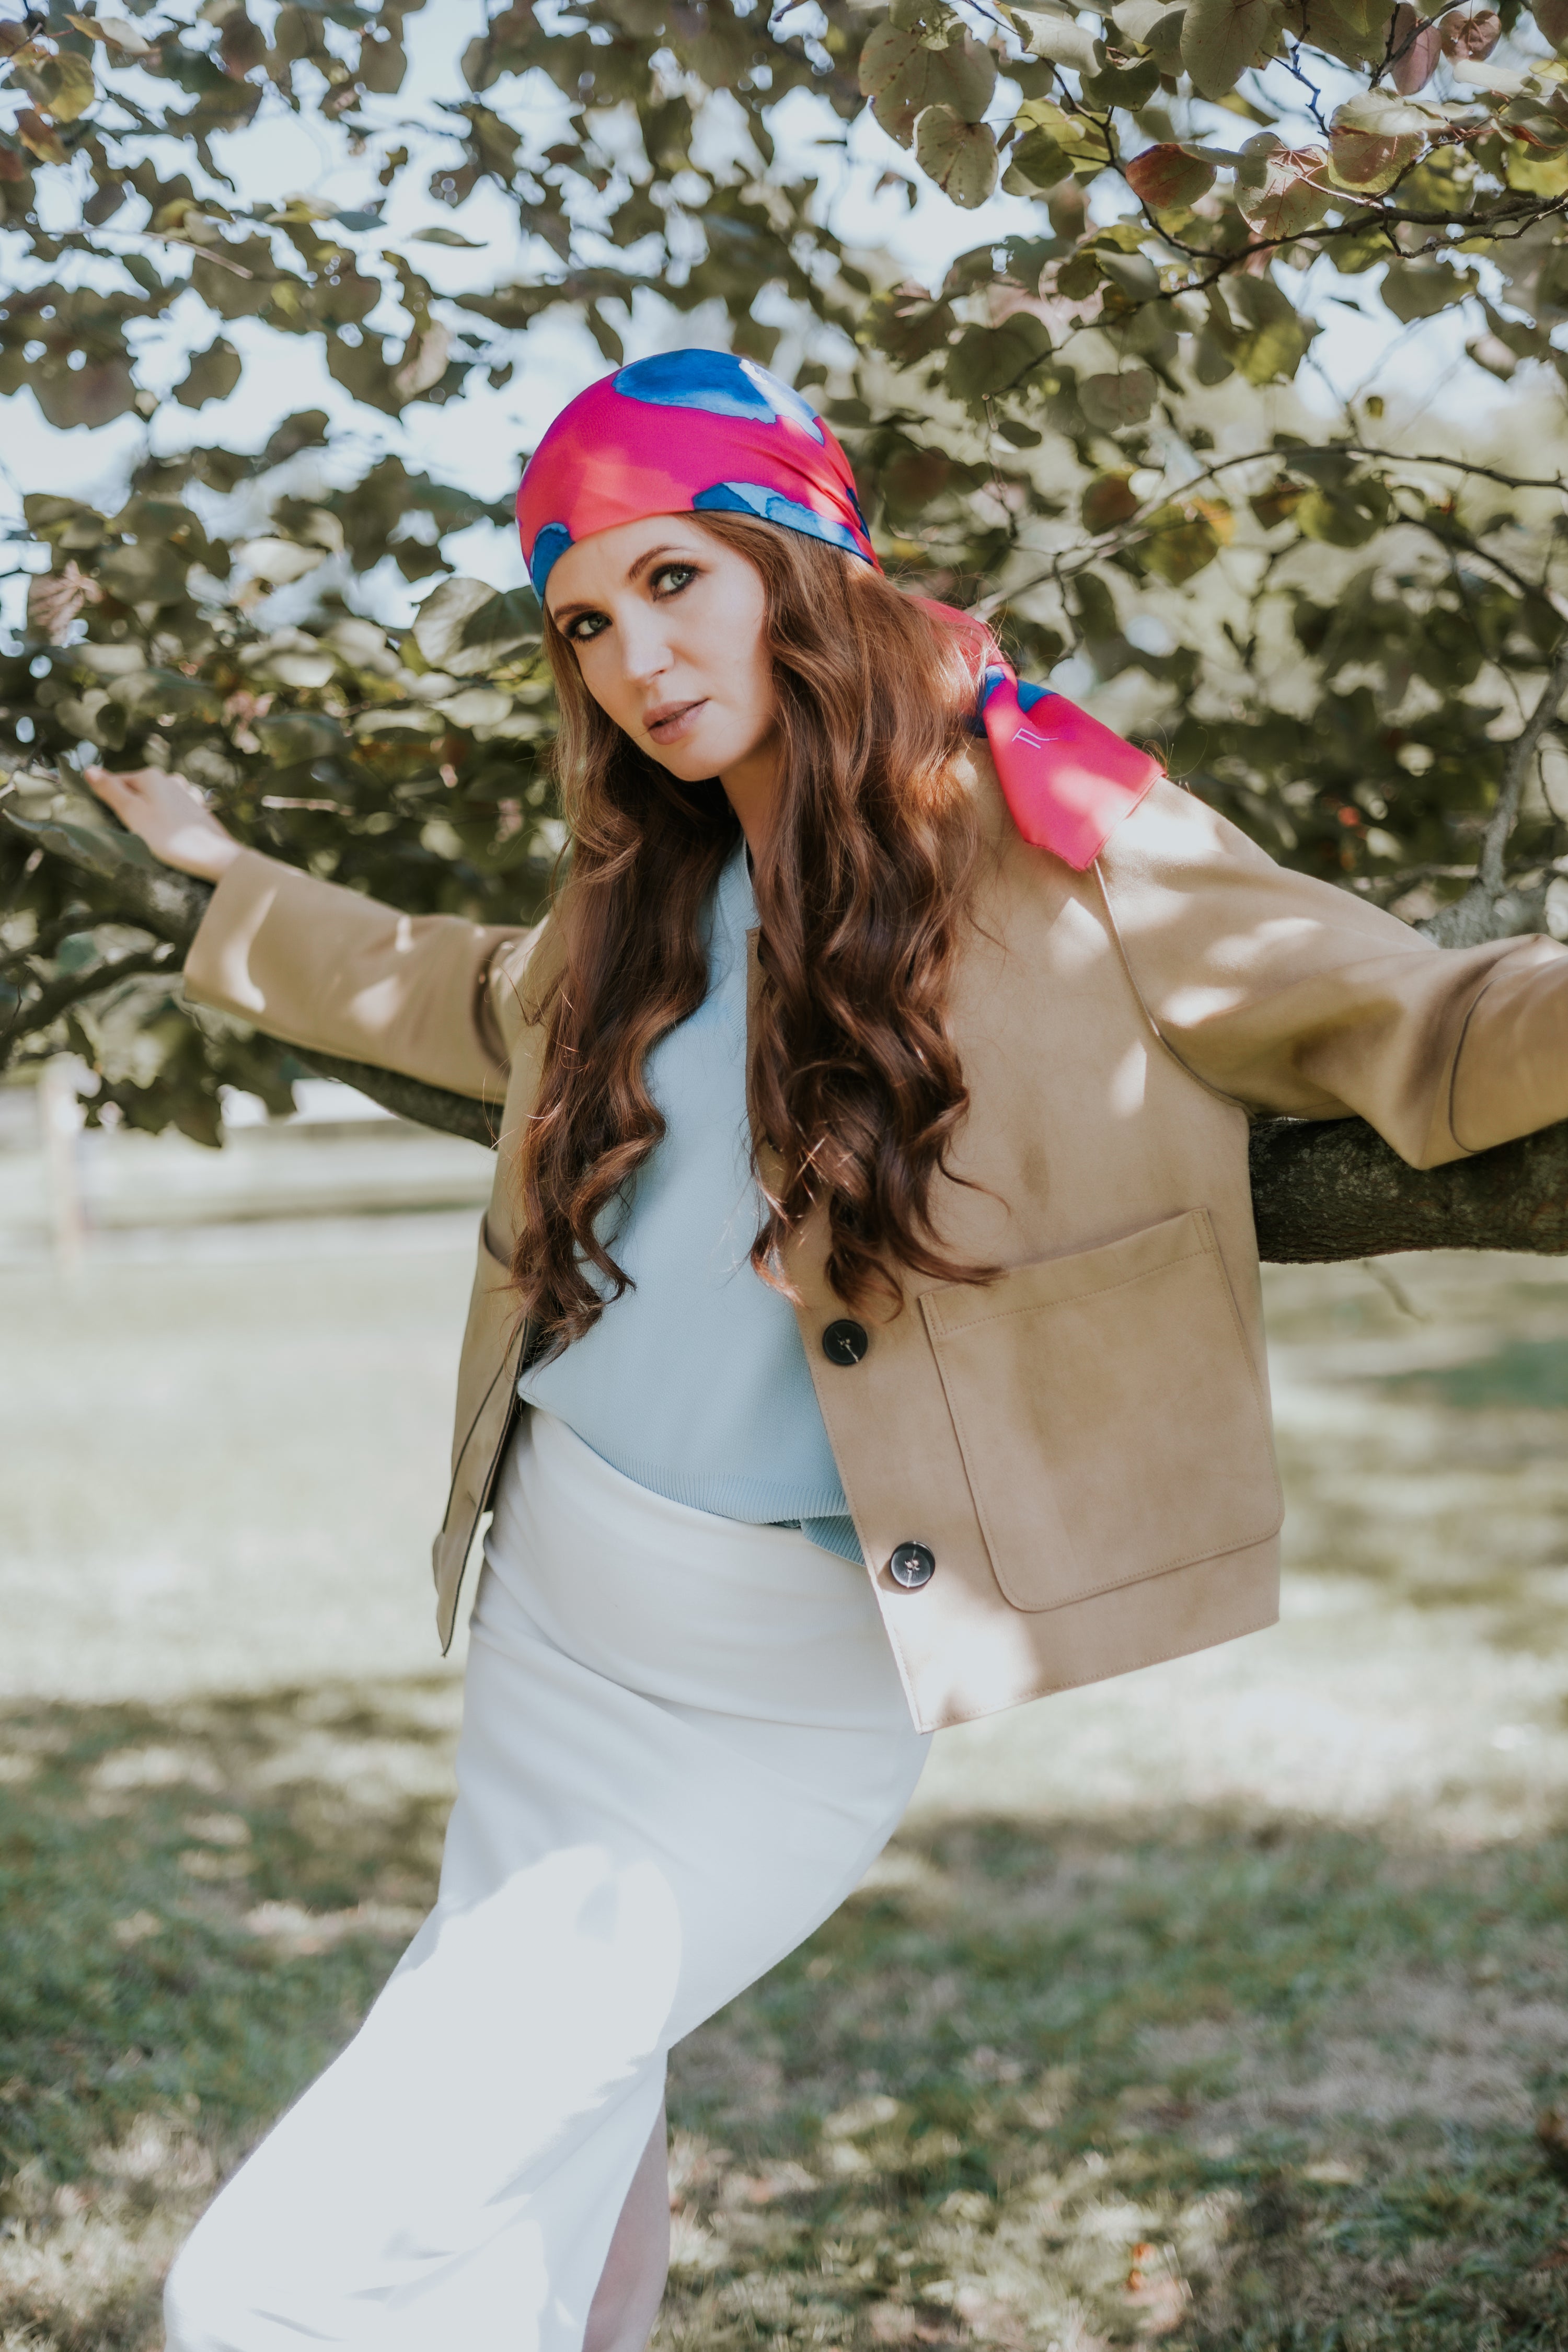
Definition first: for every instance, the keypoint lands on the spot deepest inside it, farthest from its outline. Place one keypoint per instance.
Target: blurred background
(1220, 2005)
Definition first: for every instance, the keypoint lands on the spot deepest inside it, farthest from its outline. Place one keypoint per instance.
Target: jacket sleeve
(1293, 996)
(326, 970)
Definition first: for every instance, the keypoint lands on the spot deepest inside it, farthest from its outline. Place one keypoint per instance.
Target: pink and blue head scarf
(702, 432)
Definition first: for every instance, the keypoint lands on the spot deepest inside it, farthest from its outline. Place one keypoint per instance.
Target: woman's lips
(672, 720)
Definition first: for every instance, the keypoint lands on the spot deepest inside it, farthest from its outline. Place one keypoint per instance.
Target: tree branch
(1322, 1189)
(1325, 1191)
(171, 906)
(74, 988)
(410, 1099)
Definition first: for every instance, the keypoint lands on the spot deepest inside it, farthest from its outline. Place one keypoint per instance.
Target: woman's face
(668, 625)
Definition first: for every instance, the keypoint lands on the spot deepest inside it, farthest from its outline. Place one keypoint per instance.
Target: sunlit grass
(1224, 2083)
(1214, 2009)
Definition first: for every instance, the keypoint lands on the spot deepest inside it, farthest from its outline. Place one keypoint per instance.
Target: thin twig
(76, 987)
(1520, 759)
(48, 938)
(1459, 464)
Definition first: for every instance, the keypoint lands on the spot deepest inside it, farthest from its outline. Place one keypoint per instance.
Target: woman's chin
(691, 762)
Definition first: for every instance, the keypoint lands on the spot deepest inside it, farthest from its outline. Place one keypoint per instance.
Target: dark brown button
(912, 1566)
(845, 1342)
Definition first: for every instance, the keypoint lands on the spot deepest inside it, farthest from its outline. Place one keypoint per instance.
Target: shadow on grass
(1269, 2089)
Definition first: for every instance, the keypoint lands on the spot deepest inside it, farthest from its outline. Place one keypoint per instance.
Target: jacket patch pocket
(1111, 1420)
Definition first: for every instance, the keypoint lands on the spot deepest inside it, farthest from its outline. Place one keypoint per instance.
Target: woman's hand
(170, 817)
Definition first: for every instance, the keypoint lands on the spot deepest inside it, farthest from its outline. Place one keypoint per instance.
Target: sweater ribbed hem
(819, 1512)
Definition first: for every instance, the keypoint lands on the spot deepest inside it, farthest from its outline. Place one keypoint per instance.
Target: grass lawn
(1215, 2007)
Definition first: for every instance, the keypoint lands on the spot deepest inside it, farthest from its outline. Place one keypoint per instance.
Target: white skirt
(684, 1741)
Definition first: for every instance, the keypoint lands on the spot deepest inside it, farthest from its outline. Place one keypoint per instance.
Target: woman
(867, 1327)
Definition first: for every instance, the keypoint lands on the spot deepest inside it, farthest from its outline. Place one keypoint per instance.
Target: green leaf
(1117, 83)
(989, 360)
(467, 626)
(1343, 517)
(1419, 290)
(960, 156)
(212, 376)
(291, 738)
(1112, 402)
(67, 88)
(1221, 39)
(451, 236)
(94, 394)
(1282, 192)
(150, 571)
(100, 851)
(63, 523)
(1277, 503)
(904, 75)
(1035, 160)
(907, 324)
(1184, 539)
(1273, 352)
(1387, 117)
(1081, 140)
(1154, 25)
(1056, 34)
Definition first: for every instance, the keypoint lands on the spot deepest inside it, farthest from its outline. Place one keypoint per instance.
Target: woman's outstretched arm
(326, 969)
(1295, 997)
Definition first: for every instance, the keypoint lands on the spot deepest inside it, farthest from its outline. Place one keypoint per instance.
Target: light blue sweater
(694, 1382)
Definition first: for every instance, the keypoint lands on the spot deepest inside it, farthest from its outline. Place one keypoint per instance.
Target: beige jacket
(1082, 1446)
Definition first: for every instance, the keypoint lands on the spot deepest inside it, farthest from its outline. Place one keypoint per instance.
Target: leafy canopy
(1331, 614)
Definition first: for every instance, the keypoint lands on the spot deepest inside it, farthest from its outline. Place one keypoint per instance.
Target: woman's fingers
(122, 791)
(170, 815)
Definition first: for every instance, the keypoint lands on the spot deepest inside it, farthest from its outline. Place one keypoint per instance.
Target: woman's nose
(646, 646)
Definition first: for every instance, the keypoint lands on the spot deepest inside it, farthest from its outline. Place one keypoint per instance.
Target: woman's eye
(586, 625)
(671, 578)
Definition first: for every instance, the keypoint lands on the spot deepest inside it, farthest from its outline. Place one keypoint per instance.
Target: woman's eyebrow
(562, 613)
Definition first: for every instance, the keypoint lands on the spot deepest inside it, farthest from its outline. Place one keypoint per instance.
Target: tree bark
(1331, 1188)
(1322, 1189)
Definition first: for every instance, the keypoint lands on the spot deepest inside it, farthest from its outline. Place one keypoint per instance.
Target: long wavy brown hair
(853, 1077)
